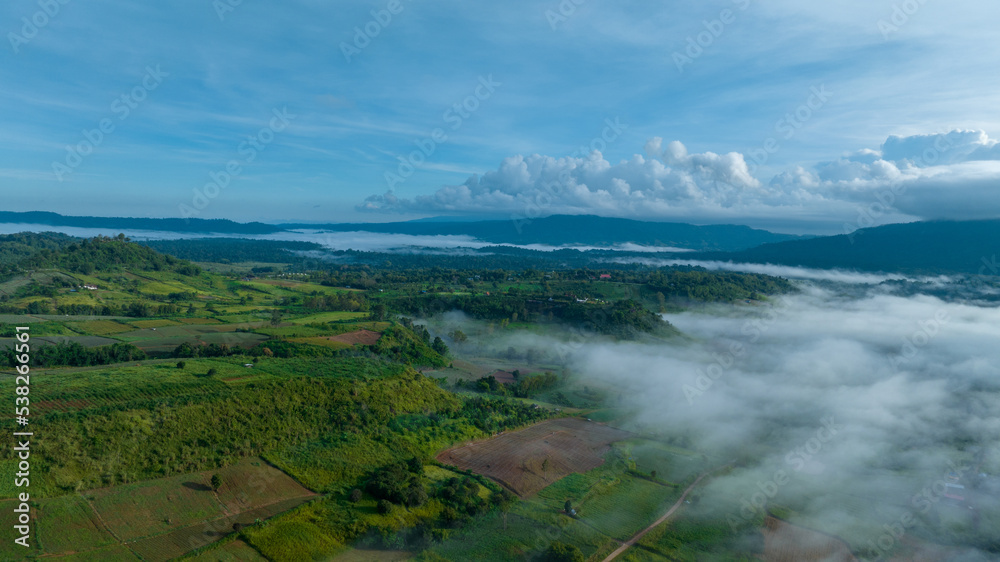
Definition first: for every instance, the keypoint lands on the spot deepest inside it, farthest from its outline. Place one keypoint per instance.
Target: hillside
(919, 247)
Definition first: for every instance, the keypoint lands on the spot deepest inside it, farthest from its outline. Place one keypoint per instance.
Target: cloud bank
(944, 175)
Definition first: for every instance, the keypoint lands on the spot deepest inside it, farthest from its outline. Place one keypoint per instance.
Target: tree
(276, 317)
(383, 507)
(458, 336)
(562, 552)
(356, 495)
(568, 506)
(652, 474)
(181, 364)
(211, 373)
(439, 346)
(216, 482)
(506, 500)
(416, 497)
(378, 312)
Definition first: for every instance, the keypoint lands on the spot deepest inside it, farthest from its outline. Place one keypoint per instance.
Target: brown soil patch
(503, 376)
(530, 459)
(360, 337)
(43, 406)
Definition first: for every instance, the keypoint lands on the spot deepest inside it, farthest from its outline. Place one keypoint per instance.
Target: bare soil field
(530, 459)
(360, 337)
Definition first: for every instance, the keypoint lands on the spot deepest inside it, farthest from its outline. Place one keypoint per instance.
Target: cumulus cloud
(673, 183)
(944, 175)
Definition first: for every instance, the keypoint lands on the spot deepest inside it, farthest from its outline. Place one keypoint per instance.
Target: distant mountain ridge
(221, 226)
(557, 230)
(929, 247)
(583, 230)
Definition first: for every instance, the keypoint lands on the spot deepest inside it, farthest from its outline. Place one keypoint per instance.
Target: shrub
(562, 552)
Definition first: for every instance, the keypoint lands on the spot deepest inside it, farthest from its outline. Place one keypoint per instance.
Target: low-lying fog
(860, 410)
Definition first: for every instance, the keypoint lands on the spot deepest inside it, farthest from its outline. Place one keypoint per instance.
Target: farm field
(100, 327)
(86, 341)
(530, 459)
(324, 317)
(360, 337)
(164, 518)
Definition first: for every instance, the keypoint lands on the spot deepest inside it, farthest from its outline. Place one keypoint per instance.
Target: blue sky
(201, 77)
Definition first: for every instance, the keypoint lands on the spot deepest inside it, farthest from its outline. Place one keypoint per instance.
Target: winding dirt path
(625, 546)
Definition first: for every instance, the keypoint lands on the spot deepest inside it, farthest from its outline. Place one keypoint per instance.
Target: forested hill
(129, 223)
(15, 248)
(560, 230)
(102, 254)
(920, 247)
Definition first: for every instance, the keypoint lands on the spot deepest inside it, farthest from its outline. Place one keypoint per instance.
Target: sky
(791, 116)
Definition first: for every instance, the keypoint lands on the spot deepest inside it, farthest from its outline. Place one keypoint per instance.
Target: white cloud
(945, 175)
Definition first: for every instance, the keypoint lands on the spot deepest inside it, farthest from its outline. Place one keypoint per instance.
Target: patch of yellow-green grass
(293, 537)
(100, 327)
